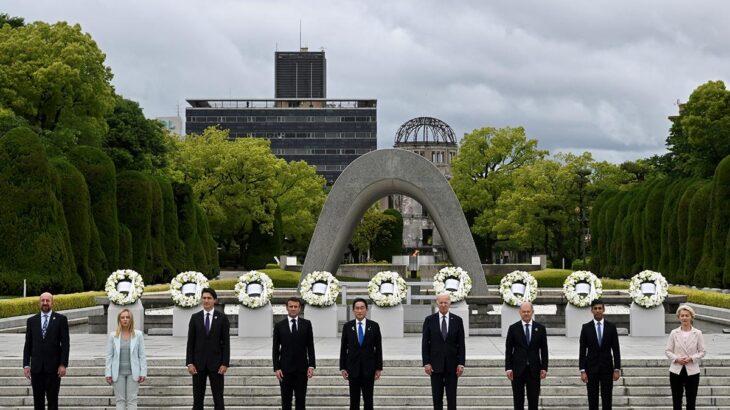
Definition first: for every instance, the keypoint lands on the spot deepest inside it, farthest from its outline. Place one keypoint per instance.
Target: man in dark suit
(45, 354)
(526, 358)
(293, 355)
(443, 352)
(208, 350)
(599, 357)
(361, 355)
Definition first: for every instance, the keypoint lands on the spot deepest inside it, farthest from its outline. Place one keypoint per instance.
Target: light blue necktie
(600, 334)
(360, 333)
(45, 326)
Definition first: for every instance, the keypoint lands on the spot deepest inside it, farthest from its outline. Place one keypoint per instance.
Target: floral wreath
(254, 302)
(518, 276)
(176, 284)
(659, 282)
(577, 299)
(123, 298)
(450, 272)
(387, 300)
(311, 298)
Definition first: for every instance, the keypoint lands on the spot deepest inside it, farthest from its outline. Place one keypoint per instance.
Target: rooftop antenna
(300, 34)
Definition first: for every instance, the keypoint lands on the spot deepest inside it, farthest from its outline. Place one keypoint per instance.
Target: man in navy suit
(208, 350)
(526, 358)
(599, 357)
(293, 355)
(361, 355)
(45, 354)
(443, 352)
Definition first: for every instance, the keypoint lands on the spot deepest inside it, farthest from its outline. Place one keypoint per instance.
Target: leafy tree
(483, 170)
(13, 22)
(390, 242)
(700, 135)
(133, 141)
(371, 227)
(54, 77)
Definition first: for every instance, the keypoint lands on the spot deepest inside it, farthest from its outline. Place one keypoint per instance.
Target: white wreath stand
(135, 308)
(255, 322)
(390, 319)
(181, 319)
(647, 321)
(324, 320)
(509, 315)
(575, 318)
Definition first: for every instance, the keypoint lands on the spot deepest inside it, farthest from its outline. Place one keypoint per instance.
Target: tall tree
(54, 77)
(483, 170)
(700, 135)
(133, 141)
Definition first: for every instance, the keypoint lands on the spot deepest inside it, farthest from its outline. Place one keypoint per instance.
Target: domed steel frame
(425, 130)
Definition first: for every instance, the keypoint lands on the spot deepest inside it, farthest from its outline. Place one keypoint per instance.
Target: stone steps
(250, 384)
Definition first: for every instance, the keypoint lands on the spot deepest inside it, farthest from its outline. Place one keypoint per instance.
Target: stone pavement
(478, 347)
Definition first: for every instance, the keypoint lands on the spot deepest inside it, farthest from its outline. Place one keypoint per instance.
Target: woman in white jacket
(126, 363)
(685, 348)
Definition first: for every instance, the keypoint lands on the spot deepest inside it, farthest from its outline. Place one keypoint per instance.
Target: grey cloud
(599, 76)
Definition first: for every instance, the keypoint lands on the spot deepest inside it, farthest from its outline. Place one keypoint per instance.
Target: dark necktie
(527, 333)
(207, 323)
(600, 334)
(294, 326)
(45, 326)
(444, 329)
(360, 333)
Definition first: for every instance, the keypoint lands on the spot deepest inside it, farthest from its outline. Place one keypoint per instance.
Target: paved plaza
(84, 346)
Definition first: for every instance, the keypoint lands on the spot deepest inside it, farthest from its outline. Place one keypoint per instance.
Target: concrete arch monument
(375, 175)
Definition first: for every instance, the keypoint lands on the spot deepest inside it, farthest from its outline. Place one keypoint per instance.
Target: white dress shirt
(364, 326)
(295, 319)
(441, 319)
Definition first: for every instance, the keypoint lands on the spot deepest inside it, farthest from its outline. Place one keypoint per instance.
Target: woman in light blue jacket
(126, 363)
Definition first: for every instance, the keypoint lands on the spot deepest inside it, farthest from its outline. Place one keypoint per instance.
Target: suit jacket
(137, 356)
(44, 355)
(694, 348)
(595, 359)
(443, 355)
(520, 355)
(361, 361)
(293, 352)
(209, 351)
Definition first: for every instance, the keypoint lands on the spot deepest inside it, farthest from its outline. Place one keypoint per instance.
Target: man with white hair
(45, 354)
(443, 352)
(526, 357)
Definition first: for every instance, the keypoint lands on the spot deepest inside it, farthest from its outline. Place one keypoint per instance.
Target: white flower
(176, 284)
(505, 288)
(254, 302)
(121, 298)
(389, 300)
(450, 272)
(660, 284)
(576, 299)
(311, 298)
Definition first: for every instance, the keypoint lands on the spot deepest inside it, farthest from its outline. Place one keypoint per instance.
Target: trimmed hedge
(174, 247)
(134, 200)
(35, 243)
(187, 225)
(696, 226)
(683, 210)
(76, 208)
(29, 305)
(101, 178)
(721, 218)
(160, 269)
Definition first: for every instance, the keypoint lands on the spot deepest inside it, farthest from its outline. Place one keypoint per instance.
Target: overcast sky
(596, 76)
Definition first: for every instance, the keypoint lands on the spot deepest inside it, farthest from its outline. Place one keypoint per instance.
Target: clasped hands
(429, 370)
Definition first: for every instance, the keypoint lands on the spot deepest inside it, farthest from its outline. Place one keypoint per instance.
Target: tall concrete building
(300, 74)
(434, 140)
(300, 122)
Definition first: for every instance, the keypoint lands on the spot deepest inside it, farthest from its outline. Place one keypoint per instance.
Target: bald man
(526, 358)
(45, 355)
(443, 352)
